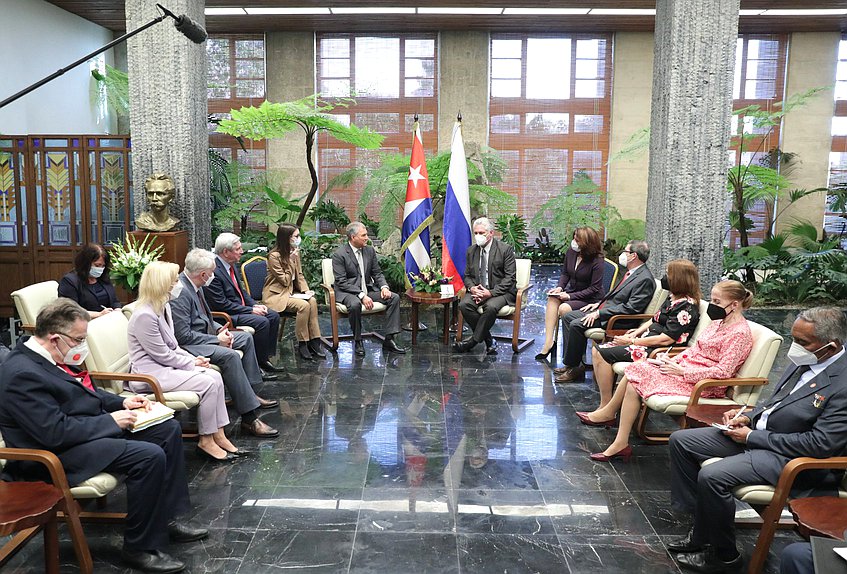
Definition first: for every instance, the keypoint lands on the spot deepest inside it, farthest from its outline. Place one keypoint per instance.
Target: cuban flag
(457, 213)
(417, 213)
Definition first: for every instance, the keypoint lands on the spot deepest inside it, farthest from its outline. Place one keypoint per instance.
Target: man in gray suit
(630, 296)
(198, 333)
(806, 416)
(358, 282)
(490, 283)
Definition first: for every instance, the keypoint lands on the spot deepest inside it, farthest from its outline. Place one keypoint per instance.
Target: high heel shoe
(551, 352)
(625, 453)
(583, 418)
(230, 457)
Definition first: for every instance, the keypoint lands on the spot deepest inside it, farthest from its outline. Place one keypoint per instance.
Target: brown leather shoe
(259, 429)
(267, 403)
(571, 374)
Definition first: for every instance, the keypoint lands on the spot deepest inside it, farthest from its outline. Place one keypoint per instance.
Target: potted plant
(129, 260)
(328, 211)
(428, 282)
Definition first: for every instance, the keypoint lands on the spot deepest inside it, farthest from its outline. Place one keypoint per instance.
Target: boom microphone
(189, 28)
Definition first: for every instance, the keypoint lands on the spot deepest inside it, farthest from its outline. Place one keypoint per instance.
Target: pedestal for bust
(174, 242)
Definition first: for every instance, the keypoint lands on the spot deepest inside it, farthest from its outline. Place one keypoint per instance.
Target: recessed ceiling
(110, 14)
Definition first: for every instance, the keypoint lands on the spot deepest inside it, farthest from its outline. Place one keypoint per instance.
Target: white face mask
(623, 258)
(799, 355)
(209, 280)
(481, 240)
(295, 242)
(96, 271)
(574, 245)
(76, 355)
(176, 290)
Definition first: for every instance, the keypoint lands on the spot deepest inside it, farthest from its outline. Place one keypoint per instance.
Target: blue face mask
(96, 271)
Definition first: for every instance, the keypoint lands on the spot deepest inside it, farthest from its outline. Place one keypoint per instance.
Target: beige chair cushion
(659, 295)
(31, 299)
(128, 309)
(523, 269)
(329, 279)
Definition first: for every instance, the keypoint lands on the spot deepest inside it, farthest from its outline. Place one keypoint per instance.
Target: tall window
(833, 223)
(392, 77)
(759, 79)
(550, 108)
(236, 78)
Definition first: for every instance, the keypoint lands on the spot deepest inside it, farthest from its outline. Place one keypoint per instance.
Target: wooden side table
(25, 509)
(820, 516)
(704, 415)
(417, 299)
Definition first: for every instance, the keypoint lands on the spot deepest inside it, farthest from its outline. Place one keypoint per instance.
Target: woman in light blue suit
(153, 350)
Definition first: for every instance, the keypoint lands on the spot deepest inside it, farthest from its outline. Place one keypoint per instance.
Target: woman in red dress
(718, 353)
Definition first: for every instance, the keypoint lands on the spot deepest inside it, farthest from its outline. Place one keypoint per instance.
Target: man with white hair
(197, 332)
(226, 293)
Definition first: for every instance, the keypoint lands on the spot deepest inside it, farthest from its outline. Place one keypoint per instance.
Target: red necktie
(625, 277)
(235, 282)
(82, 376)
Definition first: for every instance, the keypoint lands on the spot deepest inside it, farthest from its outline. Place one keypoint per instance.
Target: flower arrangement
(429, 280)
(129, 259)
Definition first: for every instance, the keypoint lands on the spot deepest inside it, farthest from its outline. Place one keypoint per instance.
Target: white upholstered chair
(338, 311)
(31, 299)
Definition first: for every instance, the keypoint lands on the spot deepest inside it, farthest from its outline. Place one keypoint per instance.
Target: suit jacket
(281, 281)
(43, 407)
(153, 349)
(71, 287)
(222, 296)
(192, 324)
(583, 283)
(629, 297)
(348, 278)
(502, 278)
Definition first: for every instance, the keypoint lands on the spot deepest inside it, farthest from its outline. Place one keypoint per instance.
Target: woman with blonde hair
(673, 324)
(718, 353)
(153, 350)
(580, 283)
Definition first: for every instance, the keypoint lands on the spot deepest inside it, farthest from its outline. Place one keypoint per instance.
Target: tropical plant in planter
(512, 228)
(330, 212)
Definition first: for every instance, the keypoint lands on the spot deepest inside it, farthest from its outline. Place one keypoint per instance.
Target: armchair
(337, 310)
(31, 299)
(612, 329)
(253, 273)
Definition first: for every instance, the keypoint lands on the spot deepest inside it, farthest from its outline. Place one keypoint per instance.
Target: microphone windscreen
(191, 29)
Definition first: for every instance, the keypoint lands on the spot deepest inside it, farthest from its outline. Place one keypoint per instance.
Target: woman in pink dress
(718, 353)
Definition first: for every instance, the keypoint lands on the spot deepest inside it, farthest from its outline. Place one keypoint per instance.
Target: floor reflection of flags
(417, 212)
(457, 213)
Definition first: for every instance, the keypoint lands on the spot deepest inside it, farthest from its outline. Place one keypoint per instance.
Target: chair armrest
(330, 295)
(519, 296)
(27, 328)
(45, 457)
(732, 382)
(615, 318)
(225, 316)
(149, 379)
(670, 351)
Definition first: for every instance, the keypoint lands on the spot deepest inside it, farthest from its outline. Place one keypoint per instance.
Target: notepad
(722, 426)
(303, 296)
(158, 413)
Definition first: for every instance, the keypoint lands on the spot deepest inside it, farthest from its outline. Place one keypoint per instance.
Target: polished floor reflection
(428, 462)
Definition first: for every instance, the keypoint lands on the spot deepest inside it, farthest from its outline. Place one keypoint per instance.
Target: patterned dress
(718, 353)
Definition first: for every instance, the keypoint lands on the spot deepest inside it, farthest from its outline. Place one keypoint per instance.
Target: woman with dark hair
(580, 283)
(673, 324)
(286, 290)
(88, 284)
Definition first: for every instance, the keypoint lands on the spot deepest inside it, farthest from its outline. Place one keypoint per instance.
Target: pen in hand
(738, 414)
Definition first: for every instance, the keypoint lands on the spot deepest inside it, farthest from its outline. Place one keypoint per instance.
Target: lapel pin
(813, 385)
(819, 399)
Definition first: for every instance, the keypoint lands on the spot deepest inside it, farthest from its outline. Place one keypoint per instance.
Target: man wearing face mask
(197, 332)
(630, 296)
(47, 403)
(805, 416)
(491, 283)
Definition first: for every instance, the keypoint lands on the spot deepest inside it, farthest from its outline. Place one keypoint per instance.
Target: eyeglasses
(77, 340)
(628, 251)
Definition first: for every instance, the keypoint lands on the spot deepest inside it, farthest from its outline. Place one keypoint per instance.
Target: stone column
(693, 67)
(167, 94)
(463, 87)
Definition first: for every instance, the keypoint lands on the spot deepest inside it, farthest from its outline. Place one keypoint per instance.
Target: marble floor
(427, 462)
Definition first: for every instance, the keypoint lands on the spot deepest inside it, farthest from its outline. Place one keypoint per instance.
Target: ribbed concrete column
(463, 87)
(167, 94)
(693, 67)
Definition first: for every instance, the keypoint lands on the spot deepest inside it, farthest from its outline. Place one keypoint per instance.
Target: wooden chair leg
(71, 512)
(51, 546)
(460, 324)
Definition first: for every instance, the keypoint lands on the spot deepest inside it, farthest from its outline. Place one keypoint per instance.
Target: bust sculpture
(160, 191)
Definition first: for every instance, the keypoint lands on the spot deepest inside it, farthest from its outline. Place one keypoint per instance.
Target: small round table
(417, 299)
(25, 505)
(820, 516)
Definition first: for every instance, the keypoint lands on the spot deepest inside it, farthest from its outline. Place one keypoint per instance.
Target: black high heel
(542, 356)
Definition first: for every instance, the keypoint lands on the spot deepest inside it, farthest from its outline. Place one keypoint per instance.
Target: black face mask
(665, 285)
(716, 312)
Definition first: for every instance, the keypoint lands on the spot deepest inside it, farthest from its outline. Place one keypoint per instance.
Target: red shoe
(625, 453)
(583, 418)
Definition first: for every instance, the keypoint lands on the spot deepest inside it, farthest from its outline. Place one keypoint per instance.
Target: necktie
(483, 269)
(235, 282)
(361, 270)
(205, 305)
(82, 376)
(788, 386)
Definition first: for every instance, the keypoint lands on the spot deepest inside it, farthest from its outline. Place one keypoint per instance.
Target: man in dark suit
(806, 416)
(198, 333)
(359, 282)
(47, 403)
(226, 293)
(630, 296)
(490, 283)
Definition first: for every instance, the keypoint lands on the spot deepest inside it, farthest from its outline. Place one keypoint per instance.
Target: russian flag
(457, 213)
(417, 212)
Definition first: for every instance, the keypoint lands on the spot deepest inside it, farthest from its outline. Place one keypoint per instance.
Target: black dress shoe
(304, 352)
(464, 346)
(491, 347)
(315, 348)
(684, 544)
(267, 403)
(359, 348)
(269, 368)
(269, 377)
(184, 532)
(706, 561)
(230, 457)
(391, 346)
(155, 561)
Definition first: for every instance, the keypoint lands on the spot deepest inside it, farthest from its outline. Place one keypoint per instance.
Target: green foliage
(633, 147)
(113, 89)
(328, 210)
(543, 250)
(367, 221)
(313, 249)
(394, 271)
(429, 280)
(255, 196)
(512, 228)
(129, 259)
(577, 205)
(619, 232)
